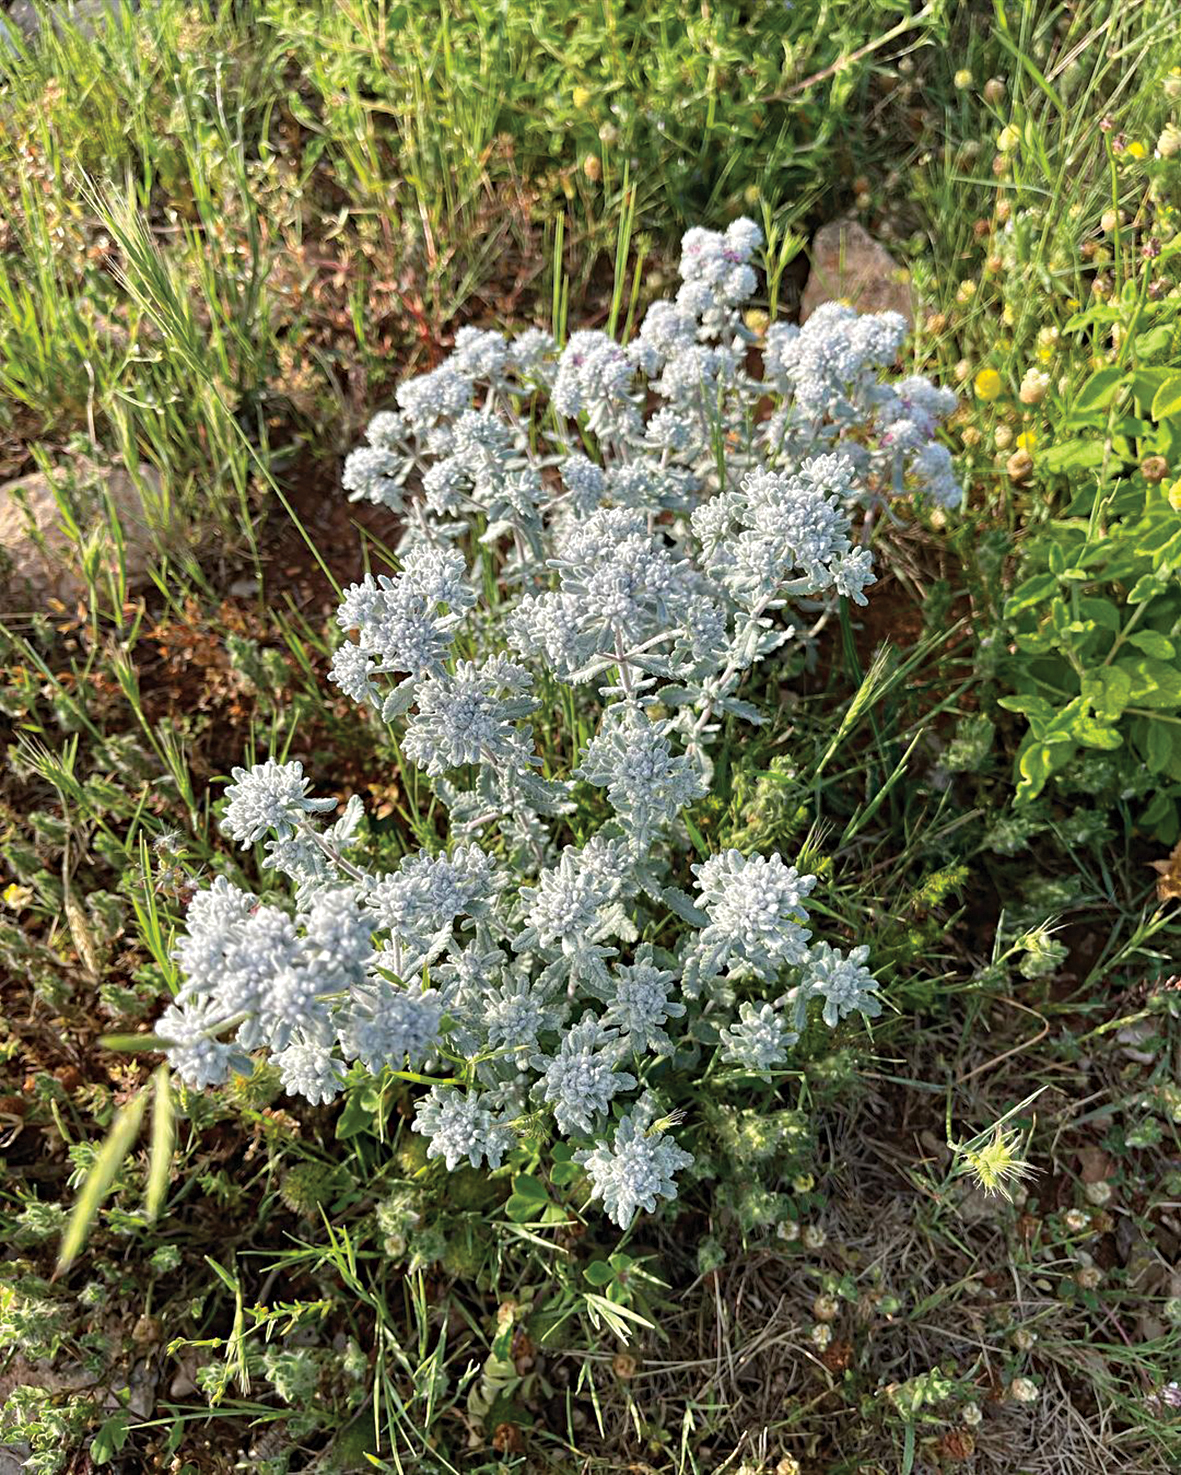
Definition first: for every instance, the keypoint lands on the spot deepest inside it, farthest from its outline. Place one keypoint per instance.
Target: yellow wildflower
(997, 1165)
(989, 385)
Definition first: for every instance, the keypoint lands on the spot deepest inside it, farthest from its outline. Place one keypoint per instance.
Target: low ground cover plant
(636, 533)
(1095, 616)
(491, 883)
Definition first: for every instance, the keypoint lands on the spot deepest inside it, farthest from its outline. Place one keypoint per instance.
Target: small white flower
(635, 1171)
(269, 798)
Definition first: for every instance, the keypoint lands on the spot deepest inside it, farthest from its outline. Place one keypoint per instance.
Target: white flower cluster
(615, 531)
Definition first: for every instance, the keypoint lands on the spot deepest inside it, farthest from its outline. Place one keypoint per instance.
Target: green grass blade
(163, 1141)
(98, 1182)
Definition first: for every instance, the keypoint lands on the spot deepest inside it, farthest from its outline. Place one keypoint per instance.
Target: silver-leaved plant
(612, 535)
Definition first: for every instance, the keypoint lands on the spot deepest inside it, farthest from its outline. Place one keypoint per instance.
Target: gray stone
(848, 265)
(23, 20)
(38, 558)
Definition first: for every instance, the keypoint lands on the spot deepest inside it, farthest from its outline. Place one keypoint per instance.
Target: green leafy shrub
(1095, 621)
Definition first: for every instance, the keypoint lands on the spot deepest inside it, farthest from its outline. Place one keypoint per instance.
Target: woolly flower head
(392, 1025)
(639, 1005)
(513, 1014)
(648, 786)
(634, 1170)
(472, 716)
(373, 474)
(269, 798)
(426, 894)
(756, 910)
(563, 909)
(844, 983)
(443, 393)
(398, 624)
(460, 1125)
(581, 1078)
(759, 1040)
(194, 1052)
(720, 262)
(311, 1071)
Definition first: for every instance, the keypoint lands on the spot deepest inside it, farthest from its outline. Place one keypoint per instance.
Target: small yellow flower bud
(1008, 139)
(963, 78)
